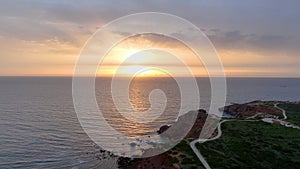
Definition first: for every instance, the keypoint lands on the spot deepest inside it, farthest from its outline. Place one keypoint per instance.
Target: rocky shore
(250, 109)
(166, 160)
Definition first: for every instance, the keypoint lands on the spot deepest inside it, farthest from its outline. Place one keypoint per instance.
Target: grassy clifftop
(256, 144)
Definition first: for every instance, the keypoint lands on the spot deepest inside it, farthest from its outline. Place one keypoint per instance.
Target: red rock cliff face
(197, 127)
(249, 109)
(163, 160)
(155, 162)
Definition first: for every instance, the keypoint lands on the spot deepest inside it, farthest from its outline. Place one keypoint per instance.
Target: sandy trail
(197, 152)
(283, 111)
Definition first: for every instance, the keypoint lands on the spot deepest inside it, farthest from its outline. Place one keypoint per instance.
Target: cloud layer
(251, 36)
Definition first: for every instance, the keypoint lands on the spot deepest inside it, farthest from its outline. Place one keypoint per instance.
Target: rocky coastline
(249, 109)
(166, 160)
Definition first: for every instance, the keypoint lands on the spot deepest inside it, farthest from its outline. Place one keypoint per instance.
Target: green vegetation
(245, 144)
(174, 161)
(248, 144)
(292, 112)
(183, 154)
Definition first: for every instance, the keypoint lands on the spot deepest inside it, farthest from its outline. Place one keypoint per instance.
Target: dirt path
(283, 111)
(197, 152)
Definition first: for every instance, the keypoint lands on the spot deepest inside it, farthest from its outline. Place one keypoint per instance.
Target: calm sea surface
(39, 127)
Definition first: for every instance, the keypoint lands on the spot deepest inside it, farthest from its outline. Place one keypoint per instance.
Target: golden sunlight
(129, 58)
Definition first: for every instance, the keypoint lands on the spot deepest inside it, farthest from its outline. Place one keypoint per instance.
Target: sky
(254, 38)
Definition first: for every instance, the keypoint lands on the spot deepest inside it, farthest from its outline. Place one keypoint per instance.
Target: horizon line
(290, 77)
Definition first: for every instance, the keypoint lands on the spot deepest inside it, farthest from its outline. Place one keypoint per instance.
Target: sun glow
(150, 58)
(140, 71)
(151, 73)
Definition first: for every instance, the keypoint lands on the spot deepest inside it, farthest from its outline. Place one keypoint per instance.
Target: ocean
(39, 127)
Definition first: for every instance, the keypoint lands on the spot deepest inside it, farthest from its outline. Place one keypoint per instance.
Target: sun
(141, 71)
(134, 56)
